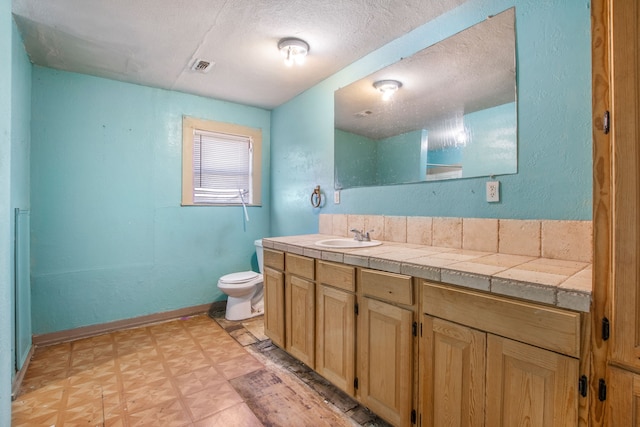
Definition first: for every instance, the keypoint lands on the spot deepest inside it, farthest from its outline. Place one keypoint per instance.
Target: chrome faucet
(361, 235)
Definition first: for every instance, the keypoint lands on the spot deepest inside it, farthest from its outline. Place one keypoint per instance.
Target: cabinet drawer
(300, 266)
(273, 259)
(387, 286)
(337, 275)
(546, 327)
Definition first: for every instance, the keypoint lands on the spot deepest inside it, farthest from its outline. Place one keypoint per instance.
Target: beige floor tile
(221, 353)
(150, 394)
(198, 380)
(166, 414)
(43, 418)
(167, 374)
(237, 415)
(92, 342)
(187, 362)
(207, 402)
(41, 401)
(137, 379)
(87, 412)
(243, 336)
(238, 366)
(256, 327)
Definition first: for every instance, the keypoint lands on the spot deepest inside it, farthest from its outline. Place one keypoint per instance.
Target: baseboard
(104, 328)
(17, 380)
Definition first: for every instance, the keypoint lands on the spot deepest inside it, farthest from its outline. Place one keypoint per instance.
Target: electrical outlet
(493, 191)
(336, 197)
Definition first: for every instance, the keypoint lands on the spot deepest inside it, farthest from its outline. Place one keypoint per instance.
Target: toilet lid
(241, 277)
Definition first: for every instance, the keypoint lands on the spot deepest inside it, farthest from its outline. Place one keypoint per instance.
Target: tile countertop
(565, 284)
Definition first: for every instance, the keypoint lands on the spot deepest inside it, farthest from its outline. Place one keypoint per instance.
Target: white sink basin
(346, 243)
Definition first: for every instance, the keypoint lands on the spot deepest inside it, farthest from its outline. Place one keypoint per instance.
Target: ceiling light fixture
(387, 88)
(293, 50)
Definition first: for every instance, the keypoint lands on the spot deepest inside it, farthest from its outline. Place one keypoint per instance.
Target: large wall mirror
(453, 114)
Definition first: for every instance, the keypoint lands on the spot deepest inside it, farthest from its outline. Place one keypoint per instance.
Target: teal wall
(360, 161)
(6, 248)
(20, 195)
(15, 110)
(493, 142)
(356, 160)
(554, 128)
(446, 155)
(399, 158)
(110, 240)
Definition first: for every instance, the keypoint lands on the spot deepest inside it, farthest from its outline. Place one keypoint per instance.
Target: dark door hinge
(414, 329)
(413, 416)
(583, 385)
(602, 390)
(605, 329)
(606, 122)
(355, 383)
(355, 309)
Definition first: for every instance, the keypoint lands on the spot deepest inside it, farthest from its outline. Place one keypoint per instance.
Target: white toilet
(245, 291)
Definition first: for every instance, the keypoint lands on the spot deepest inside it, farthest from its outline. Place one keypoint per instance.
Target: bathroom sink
(346, 243)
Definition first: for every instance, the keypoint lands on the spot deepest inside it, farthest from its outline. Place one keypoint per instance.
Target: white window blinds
(222, 168)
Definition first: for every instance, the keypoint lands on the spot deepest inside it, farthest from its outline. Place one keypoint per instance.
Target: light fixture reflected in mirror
(293, 50)
(387, 88)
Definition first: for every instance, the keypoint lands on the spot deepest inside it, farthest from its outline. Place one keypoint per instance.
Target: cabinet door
(625, 337)
(529, 386)
(453, 374)
(300, 307)
(335, 336)
(623, 398)
(385, 351)
(274, 325)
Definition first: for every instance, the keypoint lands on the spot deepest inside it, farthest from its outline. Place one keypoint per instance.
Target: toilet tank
(258, 244)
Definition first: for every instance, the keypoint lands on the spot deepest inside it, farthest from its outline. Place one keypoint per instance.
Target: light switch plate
(336, 197)
(493, 191)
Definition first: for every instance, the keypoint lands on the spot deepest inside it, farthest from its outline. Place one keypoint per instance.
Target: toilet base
(241, 309)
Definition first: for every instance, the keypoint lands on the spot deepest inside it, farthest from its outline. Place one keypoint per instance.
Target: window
(221, 163)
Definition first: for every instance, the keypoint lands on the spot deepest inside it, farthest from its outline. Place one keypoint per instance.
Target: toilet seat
(239, 278)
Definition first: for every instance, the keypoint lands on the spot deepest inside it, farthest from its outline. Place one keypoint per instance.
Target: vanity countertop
(565, 284)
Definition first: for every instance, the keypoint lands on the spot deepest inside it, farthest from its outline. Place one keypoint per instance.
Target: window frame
(191, 124)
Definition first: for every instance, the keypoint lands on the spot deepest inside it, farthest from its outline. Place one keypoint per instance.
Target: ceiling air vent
(201, 65)
(363, 113)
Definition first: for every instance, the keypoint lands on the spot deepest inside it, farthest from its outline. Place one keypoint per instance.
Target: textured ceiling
(153, 42)
(467, 72)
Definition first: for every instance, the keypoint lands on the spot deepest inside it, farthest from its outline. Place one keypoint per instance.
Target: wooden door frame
(602, 288)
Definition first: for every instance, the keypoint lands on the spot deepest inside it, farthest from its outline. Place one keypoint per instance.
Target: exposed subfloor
(191, 371)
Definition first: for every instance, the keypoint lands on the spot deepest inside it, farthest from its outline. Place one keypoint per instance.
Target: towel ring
(316, 197)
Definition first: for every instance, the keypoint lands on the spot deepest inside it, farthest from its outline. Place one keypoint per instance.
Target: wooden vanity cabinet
(385, 345)
(617, 219)
(335, 324)
(274, 310)
(453, 364)
(529, 385)
(623, 395)
(493, 361)
(377, 368)
(300, 307)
